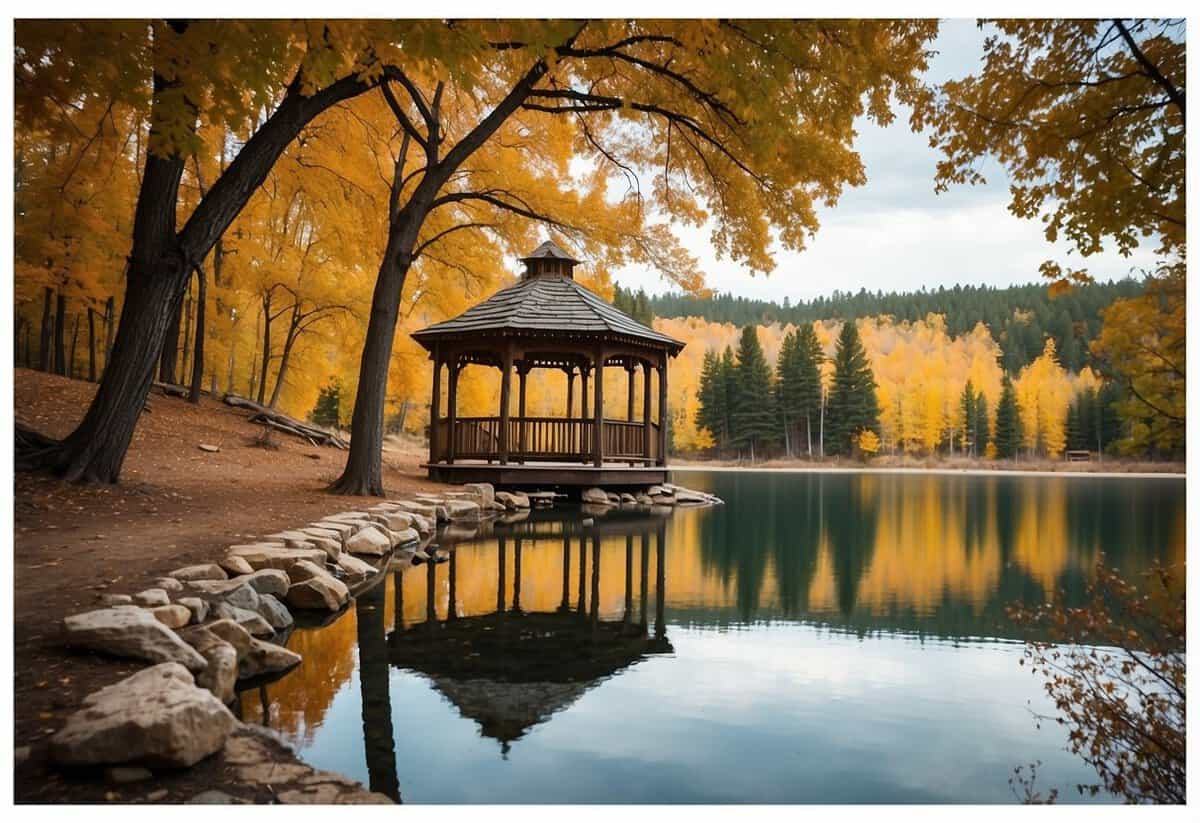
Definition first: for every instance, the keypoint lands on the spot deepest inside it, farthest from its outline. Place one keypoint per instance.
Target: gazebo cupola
(547, 320)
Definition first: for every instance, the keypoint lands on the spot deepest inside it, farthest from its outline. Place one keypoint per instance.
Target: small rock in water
(208, 447)
(127, 774)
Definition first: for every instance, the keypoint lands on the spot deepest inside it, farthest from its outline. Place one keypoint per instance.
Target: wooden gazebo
(548, 321)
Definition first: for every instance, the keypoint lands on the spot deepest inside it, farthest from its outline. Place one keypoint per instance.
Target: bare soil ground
(175, 505)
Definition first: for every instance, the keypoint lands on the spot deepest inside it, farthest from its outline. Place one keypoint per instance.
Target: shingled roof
(546, 303)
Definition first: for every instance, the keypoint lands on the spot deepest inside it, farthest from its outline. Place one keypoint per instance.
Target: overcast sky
(894, 233)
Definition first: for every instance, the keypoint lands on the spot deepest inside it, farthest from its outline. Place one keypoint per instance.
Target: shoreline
(698, 467)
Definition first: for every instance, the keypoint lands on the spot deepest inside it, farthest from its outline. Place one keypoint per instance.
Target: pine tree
(1076, 439)
(853, 406)
(712, 413)
(327, 411)
(1008, 421)
(980, 432)
(727, 386)
(808, 379)
(787, 397)
(969, 412)
(754, 414)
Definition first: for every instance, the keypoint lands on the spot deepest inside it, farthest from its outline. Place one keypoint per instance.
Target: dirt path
(175, 505)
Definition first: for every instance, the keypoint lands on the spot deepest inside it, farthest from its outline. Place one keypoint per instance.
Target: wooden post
(522, 373)
(662, 412)
(505, 393)
(435, 402)
(584, 373)
(598, 412)
(570, 409)
(646, 445)
(451, 407)
(629, 367)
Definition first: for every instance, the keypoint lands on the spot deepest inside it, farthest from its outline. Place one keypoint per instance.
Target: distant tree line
(754, 410)
(1020, 317)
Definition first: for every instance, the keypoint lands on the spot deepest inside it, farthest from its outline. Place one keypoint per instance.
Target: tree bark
(289, 341)
(74, 348)
(187, 331)
(266, 353)
(169, 356)
(60, 332)
(91, 345)
(109, 325)
(44, 360)
(198, 350)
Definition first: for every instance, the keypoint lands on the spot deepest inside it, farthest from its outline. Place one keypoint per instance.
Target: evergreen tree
(787, 399)
(970, 412)
(853, 406)
(1107, 425)
(1008, 421)
(728, 388)
(713, 414)
(809, 357)
(980, 432)
(754, 418)
(327, 412)
(1076, 437)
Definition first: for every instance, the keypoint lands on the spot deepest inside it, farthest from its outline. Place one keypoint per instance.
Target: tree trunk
(91, 345)
(170, 348)
(198, 351)
(364, 465)
(74, 348)
(266, 352)
(44, 361)
(288, 342)
(60, 338)
(187, 331)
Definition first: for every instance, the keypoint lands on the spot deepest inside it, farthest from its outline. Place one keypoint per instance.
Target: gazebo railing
(547, 438)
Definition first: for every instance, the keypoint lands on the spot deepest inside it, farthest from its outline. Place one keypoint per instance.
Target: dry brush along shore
(207, 628)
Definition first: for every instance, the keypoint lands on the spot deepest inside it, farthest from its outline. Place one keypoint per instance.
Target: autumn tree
(853, 406)
(1008, 435)
(668, 98)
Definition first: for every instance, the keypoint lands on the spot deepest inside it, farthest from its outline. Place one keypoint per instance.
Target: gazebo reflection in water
(512, 668)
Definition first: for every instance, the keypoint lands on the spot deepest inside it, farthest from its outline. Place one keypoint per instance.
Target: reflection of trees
(849, 515)
(797, 529)
(736, 540)
(376, 701)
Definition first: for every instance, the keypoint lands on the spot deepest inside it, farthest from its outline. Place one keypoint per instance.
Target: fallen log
(288, 425)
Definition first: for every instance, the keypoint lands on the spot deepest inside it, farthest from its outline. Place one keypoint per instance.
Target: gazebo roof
(546, 303)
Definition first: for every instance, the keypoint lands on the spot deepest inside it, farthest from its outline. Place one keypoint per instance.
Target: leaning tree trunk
(266, 352)
(198, 350)
(91, 345)
(109, 325)
(60, 335)
(44, 361)
(74, 348)
(364, 465)
(285, 358)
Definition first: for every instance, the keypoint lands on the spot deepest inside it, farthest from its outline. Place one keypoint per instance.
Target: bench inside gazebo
(547, 320)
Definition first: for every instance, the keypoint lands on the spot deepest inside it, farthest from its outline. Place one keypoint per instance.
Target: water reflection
(533, 612)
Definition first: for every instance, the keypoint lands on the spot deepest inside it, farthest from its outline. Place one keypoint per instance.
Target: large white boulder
(370, 541)
(275, 556)
(484, 493)
(315, 588)
(158, 717)
(354, 567)
(126, 631)
(424, 509)
(463, 510)
(595, 496)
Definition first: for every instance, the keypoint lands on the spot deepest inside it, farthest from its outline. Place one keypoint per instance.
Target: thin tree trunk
(808, 432)
(254, 355)
(60, 335)
(293, 329)
(187, 332)
(109, 324)
(45, 362)
(91, 345)
(822, 442)
(74, 347)
(198, 350)
(266, 351)
(169, 356)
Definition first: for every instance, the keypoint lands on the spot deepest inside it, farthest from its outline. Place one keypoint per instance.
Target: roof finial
(549, 259)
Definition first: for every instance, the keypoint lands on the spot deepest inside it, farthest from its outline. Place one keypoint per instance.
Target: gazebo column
(435, 400)
(598, 412)
(522, 373)
(629, 369)
(584, 373)
(451, 406)
(646, 445)
(570, 444)
(505, 392)
(662, 412)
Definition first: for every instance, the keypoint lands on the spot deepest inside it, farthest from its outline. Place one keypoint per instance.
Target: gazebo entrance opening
(548, 321)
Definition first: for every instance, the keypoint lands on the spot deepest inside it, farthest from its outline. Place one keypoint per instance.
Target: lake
(820, 638)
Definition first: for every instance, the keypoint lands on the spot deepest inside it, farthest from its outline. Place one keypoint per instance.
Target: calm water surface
(820, 638)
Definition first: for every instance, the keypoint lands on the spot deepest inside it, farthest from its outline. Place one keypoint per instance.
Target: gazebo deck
(547, 475)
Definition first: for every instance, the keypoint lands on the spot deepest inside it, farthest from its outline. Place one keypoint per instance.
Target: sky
(894, 233)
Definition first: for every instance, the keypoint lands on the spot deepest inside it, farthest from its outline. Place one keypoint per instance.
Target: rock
(266, 659)
(328, 788)
(626, 497)
(207, 447)
(319, 531)
(463, 510)
(329, 594)
(130, 632)
(201, 571)
(127, 774)
(269, 581)
(157, 717)
(370, 541)
(235, 565)
(115, 600)
(513, 500)
(595, 496)
(587, 521)
(250, 621)
(344, 530)
(354, 567)
(423, 524)
(263, 581)
(151, 597)
(645, 500)
(197, 607)
(214, 797)
(220, 675)
(243, 596)
(654, 491)
(396, 521)
(275, 556)
(274, 612)
(542, 500)
(614, 499)
(407, 537)
(228, 630)
(173, 616)
(663, 499)
(168, 584)
(484, 493)
(413, 507)
(156, 795)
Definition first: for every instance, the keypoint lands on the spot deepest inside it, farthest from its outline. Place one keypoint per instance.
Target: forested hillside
(1020, 317)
